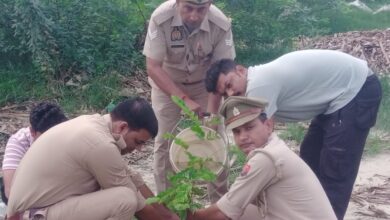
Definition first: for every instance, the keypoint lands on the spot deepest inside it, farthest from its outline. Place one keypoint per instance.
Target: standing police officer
(184, 37)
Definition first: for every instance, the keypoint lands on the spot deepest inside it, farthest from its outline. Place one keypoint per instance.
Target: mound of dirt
(372, 46)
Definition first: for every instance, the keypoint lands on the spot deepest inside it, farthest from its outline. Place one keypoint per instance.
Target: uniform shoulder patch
(245, 169)
(164, 12)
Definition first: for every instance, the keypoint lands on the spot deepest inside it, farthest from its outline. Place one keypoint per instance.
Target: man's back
(303, 84)
(67, 160)
(297, 194)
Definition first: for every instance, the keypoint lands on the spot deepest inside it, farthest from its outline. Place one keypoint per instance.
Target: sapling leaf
(195, 206)
(152, 200)
(216, 120)
(198, 191)
(198, 131)
(168, 136)
(178, 141)
(181, 196)
(212, 135)
(181, 143)
(206, 175)
(182, 206)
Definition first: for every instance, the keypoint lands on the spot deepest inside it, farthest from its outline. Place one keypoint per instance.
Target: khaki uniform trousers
(168, 115)
(118, 203)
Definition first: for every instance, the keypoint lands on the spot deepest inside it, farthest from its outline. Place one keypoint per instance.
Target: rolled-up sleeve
(256, 175)
(135, 177)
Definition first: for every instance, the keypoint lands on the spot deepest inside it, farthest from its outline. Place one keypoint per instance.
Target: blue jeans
(334, 144)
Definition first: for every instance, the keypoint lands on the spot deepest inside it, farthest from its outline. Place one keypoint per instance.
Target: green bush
(352, 19)
(375, 144)
(62, 38)
(18, 84)
(49, 42)
(263, 29)
(100, 91)
(293, 132)
(383, 120)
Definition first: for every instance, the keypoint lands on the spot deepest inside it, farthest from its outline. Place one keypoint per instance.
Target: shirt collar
(273, 138)
(119, 141)
(177, 21)
(204, 26)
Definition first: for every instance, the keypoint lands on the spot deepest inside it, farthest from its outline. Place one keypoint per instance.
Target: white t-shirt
(303, 84)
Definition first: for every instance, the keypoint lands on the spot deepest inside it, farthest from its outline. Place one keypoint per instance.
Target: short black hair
(138, 114)
(263, 117)
(46, 115)
(223, 66)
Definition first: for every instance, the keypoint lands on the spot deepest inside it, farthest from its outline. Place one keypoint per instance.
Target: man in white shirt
(338, 92)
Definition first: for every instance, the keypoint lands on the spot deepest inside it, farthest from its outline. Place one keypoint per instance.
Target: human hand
(193, 106)
(211, 120)
(14, 217)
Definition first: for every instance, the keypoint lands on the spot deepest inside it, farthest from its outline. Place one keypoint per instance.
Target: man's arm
(145, 191)
(224, 49)
(154, 211)
(15, 150)
(151, 212)
(210, 213)
(8, 175)
(214, 101)
(166, 84)
(106, 164)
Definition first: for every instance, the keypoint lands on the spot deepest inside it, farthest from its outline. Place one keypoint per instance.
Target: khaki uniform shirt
(74, 158)
(187, 56)
(277, 181)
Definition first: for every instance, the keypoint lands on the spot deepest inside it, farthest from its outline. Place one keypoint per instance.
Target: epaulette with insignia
(164, 12)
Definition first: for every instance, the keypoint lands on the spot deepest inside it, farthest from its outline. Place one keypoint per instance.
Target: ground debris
(135, 85)
(372, 46)
(372, 199)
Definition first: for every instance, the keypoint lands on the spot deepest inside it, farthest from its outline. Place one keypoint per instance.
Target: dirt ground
(370, 198)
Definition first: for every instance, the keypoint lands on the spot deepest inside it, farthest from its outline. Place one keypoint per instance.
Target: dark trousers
(334, 143)
(3, 197)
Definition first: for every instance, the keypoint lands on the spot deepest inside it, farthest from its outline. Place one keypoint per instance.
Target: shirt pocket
(366, 112)
(202, 53)
(334, 163)
(176, 53)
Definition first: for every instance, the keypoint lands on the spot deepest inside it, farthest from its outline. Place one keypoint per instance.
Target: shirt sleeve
(16, 148)
(225, 47)
(109, 169)
(155, 44)
(135, 177)
(256, 175)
